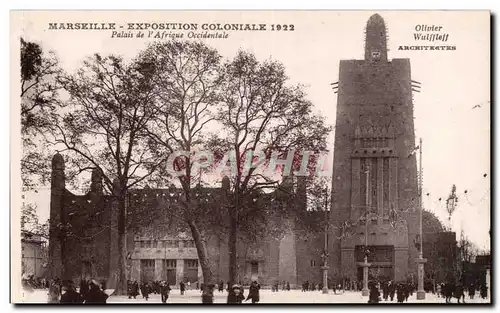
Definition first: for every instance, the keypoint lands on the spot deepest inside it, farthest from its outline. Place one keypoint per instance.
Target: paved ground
(267, 296)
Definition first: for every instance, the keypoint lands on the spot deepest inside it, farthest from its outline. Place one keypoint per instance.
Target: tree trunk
(202, 254)
(233, 261)
(206, 269)
(121, 275)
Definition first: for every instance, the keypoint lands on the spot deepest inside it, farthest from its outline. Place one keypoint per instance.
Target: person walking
(164, 291)
(400, 293)
(459, 293)
(145, 291)
(182, 287)
(69, 294)
(374, 296)
(95, 294)
(472, 291)
(385, 290)
(483, 291)
(254, 292)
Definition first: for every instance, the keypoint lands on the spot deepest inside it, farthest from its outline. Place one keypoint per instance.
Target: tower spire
(376, 40)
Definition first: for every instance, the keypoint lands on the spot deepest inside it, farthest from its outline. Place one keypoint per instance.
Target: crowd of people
(390, 291)
(285, 286)
(92, 292)
(452, 290)
(156, 287)
(403, 291)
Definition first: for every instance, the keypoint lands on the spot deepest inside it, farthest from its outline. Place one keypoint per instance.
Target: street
(266, 296)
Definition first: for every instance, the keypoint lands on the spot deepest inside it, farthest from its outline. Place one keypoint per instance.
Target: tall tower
(376, 39)
(374, 187)
(57, 188)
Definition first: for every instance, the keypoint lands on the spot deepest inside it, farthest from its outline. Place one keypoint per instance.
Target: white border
(185, 4)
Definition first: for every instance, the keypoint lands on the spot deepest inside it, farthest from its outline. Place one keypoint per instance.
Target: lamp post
(325, 251)
(420, 261)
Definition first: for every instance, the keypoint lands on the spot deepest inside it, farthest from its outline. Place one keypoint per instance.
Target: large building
(374, 173)
(84, 239)
(33, 259)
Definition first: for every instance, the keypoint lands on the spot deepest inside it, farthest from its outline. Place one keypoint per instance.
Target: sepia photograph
(250, 157)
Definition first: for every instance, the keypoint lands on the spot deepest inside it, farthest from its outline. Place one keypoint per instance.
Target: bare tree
(112, 102)
(39, 101)
(261, 112)
(186, 76)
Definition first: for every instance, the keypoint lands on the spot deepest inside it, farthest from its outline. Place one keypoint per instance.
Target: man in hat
(164, 291)
(95, 294)
(69, 293)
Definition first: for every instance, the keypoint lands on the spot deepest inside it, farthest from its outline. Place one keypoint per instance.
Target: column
(365, 292)
(135, 270)
(400, 263)
(287, 268)
(325, 278)
(349, 263)
(420, 291)
(179, 270)
(380, 190)
(356, 188)
(393, 183)
(159, 270)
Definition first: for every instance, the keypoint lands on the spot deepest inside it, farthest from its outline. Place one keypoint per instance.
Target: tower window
(313, 263)
(375, 55)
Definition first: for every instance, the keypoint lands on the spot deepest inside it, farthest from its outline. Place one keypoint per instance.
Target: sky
(455, 133)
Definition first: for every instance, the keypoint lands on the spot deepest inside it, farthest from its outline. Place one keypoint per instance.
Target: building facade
(32, 257)
(374, 171)
(84, 240)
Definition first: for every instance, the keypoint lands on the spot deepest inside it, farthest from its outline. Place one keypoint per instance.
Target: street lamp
(451, 204)
(420, 261)
(324, 255)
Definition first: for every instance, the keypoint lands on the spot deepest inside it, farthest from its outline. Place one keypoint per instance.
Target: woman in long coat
(374, 296)
(254, 292)
(145, 291)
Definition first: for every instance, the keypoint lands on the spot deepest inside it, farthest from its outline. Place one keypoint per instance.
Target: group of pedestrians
(156, 287)
(450, 290)
(90, 292)
(285, 286)
(402, 291)
(237, 293)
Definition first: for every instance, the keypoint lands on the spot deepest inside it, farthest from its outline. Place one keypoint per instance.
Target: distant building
(441, 252)
(474, 272)
(32, 254)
